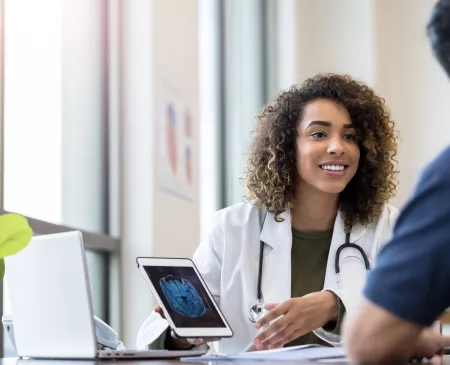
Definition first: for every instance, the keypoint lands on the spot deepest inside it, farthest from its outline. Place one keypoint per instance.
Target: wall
(159, 42)
(328, 35)
(176, 59)
(383, 43)
(413, 84)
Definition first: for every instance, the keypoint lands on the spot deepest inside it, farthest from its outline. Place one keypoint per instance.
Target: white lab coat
(228, 262)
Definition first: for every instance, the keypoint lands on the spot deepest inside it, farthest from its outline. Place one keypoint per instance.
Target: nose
(336, 147)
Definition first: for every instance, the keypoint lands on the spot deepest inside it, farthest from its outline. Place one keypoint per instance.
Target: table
(445, 360)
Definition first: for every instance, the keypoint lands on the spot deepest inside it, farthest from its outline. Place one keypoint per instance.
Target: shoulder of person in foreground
(406, 291)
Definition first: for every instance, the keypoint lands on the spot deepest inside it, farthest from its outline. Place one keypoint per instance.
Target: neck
(313, 210)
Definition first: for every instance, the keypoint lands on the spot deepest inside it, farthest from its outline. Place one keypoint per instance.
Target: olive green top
(308, 265)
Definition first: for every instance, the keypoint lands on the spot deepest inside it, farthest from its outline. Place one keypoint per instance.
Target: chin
(332, 189)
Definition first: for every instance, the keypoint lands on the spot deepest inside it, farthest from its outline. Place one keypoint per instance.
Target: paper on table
(281, 349)
(306, 352)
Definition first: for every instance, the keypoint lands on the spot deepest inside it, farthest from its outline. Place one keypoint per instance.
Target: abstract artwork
(177, 141)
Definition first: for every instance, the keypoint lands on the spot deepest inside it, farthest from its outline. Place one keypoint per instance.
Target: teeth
(333, 167)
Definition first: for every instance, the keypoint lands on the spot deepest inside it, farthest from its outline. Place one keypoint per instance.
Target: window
(58, 149)
(245, 82)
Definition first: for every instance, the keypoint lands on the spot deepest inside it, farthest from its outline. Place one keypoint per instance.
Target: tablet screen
(184, 297)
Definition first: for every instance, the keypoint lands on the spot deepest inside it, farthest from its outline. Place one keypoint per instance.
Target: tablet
(184, 297)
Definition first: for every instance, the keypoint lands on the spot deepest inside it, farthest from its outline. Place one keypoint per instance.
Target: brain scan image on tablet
(182, 296)
(187, 304)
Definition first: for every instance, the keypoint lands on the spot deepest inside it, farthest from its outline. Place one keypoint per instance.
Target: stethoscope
(257, 310)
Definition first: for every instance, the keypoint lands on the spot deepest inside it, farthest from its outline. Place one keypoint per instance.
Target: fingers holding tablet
(175, 343)
(160, 312)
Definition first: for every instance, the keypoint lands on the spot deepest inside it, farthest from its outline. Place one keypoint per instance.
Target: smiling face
(327, 147)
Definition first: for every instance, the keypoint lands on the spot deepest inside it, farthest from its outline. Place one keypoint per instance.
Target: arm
(298, 317)
(376, 335)
(209, 255)
(407, 289)
(152, 333)
(382, 336)
(331, 331)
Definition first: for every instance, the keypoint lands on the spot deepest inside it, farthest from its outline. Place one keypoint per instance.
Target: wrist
(173, 343)
(331, 306)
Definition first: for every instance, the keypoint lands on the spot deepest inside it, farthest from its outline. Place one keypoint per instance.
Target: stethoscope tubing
(337, 268)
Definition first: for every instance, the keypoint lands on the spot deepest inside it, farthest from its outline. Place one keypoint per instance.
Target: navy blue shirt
(411, 278)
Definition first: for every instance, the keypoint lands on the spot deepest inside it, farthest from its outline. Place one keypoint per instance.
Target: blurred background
(130, 119)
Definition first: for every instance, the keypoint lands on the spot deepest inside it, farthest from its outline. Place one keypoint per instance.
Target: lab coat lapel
(276, 275)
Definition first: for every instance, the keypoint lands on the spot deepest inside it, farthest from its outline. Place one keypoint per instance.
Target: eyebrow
(327, 124)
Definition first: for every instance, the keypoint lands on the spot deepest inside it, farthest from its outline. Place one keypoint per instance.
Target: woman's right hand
(173, 343)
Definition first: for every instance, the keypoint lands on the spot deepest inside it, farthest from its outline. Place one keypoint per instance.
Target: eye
(351, 137)
(318, 135)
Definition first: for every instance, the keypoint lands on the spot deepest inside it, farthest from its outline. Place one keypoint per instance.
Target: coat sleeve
(349, 298)
(208, 260)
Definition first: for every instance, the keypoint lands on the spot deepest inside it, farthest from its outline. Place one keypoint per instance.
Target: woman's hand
(173, 343)
(299, 316)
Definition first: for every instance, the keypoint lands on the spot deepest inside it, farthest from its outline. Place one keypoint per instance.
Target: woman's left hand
(299, 316)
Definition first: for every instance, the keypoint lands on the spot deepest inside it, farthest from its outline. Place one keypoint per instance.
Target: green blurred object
(15, 234)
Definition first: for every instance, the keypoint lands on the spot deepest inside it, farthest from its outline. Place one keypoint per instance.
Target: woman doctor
(320, 174)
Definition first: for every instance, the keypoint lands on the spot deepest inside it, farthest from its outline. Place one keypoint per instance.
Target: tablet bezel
(193, 332)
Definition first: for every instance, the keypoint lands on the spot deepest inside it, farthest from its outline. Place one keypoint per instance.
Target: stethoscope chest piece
(256, 311)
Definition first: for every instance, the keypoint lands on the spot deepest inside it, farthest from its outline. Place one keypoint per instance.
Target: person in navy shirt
(410, 286)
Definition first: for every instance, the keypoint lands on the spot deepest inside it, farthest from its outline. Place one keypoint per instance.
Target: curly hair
(271, 174)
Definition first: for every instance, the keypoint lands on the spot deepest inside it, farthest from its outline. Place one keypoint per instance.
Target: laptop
(51, 303)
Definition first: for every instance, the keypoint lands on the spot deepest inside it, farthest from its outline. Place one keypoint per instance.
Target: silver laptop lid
(50, 298)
